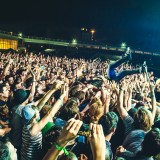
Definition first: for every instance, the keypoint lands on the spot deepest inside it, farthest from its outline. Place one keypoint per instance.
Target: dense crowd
(67, 109)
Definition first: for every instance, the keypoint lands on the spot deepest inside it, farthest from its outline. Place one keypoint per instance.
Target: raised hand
(64, 92)
(64, 89)
(10, 61)
(97, 141)
(152, 87)
(69, 132)
(33, 75)
(120, 150)
(57, 84)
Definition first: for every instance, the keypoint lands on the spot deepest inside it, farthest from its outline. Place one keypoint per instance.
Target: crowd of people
(67, 109)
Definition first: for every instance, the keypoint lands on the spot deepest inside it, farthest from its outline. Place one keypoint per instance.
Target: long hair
(143, 119)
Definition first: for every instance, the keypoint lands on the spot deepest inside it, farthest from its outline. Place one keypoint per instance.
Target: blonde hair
(96, 110)
(96, 100)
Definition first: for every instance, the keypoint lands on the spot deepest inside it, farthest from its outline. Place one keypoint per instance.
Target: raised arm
(97, 142)
(33, 88)
(129, 102)
(6, 69)
(107, 103)
(40, 125)
(123, 113)
(46, 97)
(103, 93)
(68, 133)
(153, 100)
(98, 95)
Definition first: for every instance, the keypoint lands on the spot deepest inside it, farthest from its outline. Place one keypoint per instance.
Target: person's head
(20, 96)
(7, 85)
(62, 75)
(14, 70)
(21, 72)
(96, 110)
(70, 156)
(1, 71)
(151, 143)
(9, 79)
(157, 88)
(4, 90)
(39, 89)
(80, 95)
(69, 110)
(45, 110)
(29, 82)
(109, 122)
(96, 100)
(120, 158)
(73, 90)
(4, 111)
(51, 136)
(132, 112)
(17, 84)
(34, 64)
(143, 119)
(30, 114)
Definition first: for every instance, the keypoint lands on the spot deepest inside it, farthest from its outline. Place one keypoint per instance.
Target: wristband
(62, 148)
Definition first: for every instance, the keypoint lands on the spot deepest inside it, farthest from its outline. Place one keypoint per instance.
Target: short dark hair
(8, 76)
(73, 90)
(51, 135)
(69, 110)
(108, 122)
(1, 87)
(151, 143)
(80, 95)
(50, 138)
(29, 82)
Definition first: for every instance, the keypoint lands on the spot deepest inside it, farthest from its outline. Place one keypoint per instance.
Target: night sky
(136, 22)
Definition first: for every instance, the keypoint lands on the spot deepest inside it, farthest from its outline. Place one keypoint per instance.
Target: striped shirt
(31, 146)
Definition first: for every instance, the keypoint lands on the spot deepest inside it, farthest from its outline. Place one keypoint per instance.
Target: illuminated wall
(7, 43)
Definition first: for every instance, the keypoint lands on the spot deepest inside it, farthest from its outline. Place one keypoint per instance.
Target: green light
(123, 45)
(20, 35)
(74, 41)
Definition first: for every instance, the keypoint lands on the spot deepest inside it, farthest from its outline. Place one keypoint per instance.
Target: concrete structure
(22, 40)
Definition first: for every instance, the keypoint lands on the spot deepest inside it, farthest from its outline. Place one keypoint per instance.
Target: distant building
(8, 43)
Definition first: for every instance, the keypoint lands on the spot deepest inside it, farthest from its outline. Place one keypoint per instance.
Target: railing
(30, 37)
